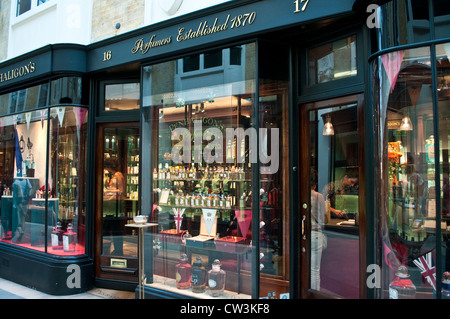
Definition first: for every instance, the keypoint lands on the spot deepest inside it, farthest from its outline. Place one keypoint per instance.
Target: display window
(67, 180)
(43, 179)
(443, 178)
(414, 224)
(209, 170)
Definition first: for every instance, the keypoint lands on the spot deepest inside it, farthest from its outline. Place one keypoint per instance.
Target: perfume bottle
(56, 237)
(69, 239)
(183, 273)
(198, 276)
(402, 287)
(216, 279)
(242, 200)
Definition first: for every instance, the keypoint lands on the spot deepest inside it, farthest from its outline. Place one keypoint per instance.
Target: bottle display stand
(141, 259)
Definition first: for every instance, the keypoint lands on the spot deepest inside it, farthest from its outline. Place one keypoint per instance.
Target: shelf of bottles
(187, 183)
(133, 169)
(184, 195)
(67, 178)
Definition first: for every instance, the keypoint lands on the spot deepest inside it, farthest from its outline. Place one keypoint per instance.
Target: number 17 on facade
(300, 5)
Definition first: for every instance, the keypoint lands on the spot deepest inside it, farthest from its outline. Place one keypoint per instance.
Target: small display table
(141, 261)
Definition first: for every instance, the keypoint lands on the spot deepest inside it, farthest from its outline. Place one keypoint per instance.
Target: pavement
(11, 290)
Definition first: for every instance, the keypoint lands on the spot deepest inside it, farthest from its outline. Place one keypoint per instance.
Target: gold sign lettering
(141, 46)
(107, 55)
(18, 72)
(298, 4)
(204, 28)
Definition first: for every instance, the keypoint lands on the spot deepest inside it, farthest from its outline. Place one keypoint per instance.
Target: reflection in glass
(332, 61)
(409, 223)
(413, 23)
(66, 90)
(334, 215)
(122, 97)
(443, 74)
(25, 99)
(197, 181)
(274, 145)
(441, 19)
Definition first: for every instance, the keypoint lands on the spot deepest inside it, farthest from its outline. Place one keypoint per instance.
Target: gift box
(203, 240)
(172, 236)
(232, 244)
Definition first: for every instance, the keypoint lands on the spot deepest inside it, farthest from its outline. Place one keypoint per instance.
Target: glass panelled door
(330, 210)
(117, 200)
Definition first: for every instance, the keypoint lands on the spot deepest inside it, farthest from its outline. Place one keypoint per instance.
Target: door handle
(303, 225)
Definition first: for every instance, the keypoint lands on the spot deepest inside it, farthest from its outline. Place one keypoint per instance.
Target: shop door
(117, 184)
(331, 213)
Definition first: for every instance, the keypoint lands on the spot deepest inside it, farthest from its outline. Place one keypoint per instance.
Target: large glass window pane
(199, 147)
(332, 61)
(274, 171)
(23, 148)
(67, 180)
(443, 79)
(408, 209)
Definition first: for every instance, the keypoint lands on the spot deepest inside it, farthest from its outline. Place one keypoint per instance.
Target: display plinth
(232, 244)
(171, 236)
(205, 239)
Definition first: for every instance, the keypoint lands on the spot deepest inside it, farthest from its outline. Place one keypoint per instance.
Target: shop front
(265, 142)
(219, 174)
(409, 76)
(43, 153)
(212, 127)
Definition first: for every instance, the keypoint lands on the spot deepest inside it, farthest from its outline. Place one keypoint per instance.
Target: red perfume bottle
(183, 273)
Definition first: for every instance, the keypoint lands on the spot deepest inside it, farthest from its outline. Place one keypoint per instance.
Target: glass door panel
(330, 201)
(118, 197)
